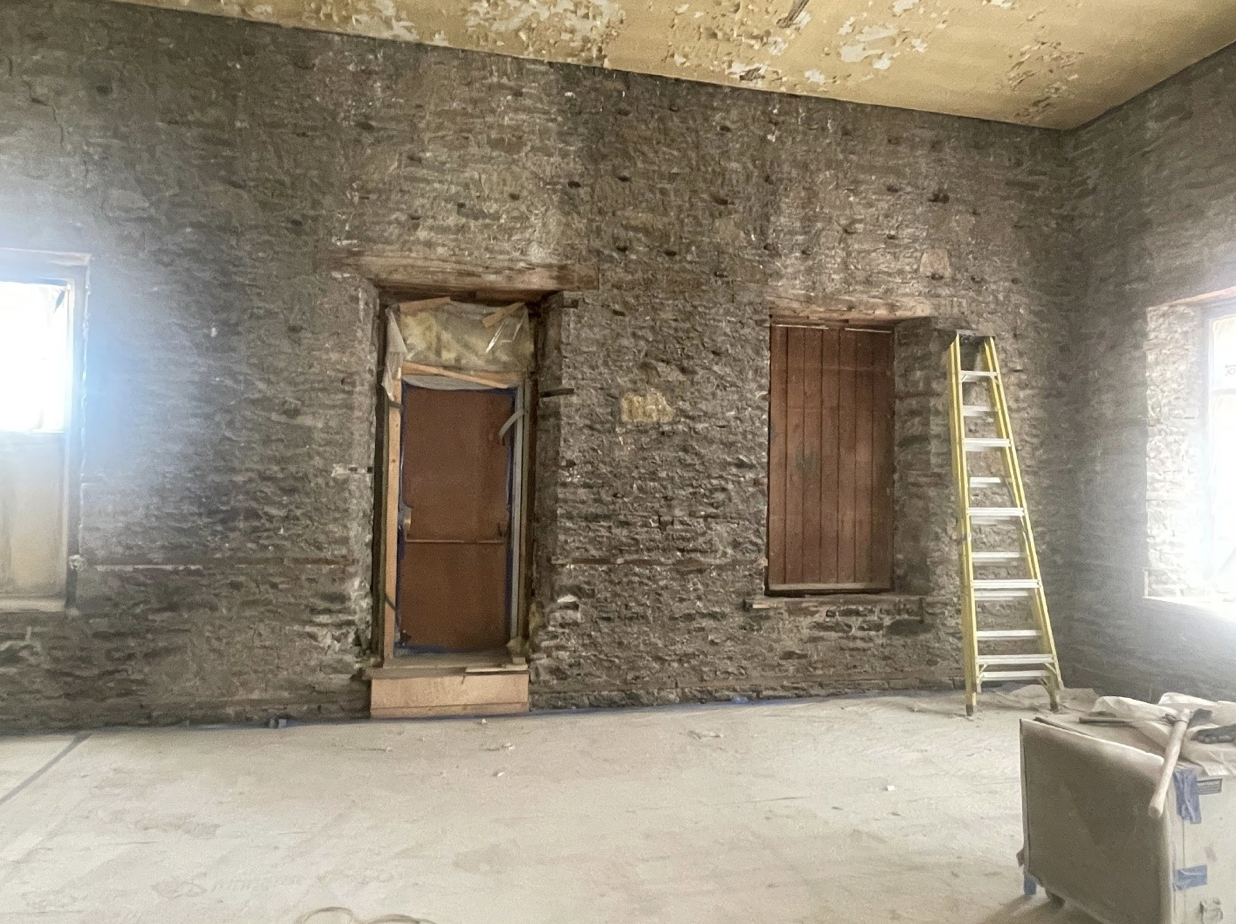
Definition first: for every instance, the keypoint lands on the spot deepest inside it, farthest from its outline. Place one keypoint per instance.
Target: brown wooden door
(456, 536)
(830, 460)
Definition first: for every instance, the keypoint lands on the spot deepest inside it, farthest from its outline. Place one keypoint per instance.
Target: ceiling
(1053, 63)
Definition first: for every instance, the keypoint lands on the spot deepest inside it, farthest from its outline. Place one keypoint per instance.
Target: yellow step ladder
(991, 504)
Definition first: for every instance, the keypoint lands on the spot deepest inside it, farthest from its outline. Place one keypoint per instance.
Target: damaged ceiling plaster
(1053, 63)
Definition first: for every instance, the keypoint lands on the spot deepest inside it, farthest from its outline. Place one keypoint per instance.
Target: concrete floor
(847, 810)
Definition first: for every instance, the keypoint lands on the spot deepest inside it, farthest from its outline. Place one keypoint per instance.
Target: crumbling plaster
(1054, 63)
(214, 170)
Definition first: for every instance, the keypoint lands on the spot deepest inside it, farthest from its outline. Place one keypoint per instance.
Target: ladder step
(994, 676)
(1039, 658)
(1006, 635)
(976, 375)
(1007, 584)
(992, 558)
(977, 410)
(1001, 594)
(985, 481)
(993, 514)
(981, 443)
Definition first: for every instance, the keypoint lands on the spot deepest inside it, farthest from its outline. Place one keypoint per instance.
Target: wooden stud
(390, 530)
(494, 319)
(490, 381)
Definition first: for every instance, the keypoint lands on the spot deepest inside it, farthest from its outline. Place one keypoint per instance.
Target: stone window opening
(41, 306)
(1221, 436)
(1191, 455)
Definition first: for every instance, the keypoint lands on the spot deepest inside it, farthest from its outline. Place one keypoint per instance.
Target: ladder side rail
(1013, 471)
(969, 616)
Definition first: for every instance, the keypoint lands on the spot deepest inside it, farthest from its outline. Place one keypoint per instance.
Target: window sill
(33, 605)
(835, 598)
(1205, 607)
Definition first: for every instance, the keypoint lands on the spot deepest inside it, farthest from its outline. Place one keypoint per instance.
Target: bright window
(41, 307)
(1222, 425)
(35, 357)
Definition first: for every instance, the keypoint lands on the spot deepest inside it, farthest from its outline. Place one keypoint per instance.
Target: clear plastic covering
(457, 336)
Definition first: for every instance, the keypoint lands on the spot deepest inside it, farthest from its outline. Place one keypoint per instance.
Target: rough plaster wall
(212, 168)
(1157, 187)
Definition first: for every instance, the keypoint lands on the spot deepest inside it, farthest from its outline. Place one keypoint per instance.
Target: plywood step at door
(456, 692)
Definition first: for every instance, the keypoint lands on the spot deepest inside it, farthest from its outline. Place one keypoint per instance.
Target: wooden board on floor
(452, 694)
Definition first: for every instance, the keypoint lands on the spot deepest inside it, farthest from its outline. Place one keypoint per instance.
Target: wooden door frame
(391, 480)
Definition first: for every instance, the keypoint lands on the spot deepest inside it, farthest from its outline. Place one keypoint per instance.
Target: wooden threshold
(448, 692)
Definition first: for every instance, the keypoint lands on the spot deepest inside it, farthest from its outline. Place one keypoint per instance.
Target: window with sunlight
(38, 313)
(35, 357)
(1222, 426)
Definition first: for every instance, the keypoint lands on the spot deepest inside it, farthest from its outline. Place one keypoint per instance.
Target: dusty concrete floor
(859, 810)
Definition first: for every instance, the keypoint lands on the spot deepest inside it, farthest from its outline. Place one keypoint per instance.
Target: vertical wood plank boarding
(830, 464)
(847, 470)
(830, 453)
(812, 498)
(863, 458)
(795, 384)
(882, 452)
(776, 457)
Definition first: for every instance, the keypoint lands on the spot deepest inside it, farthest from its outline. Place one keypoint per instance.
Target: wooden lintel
(428, 276)
(804, 308)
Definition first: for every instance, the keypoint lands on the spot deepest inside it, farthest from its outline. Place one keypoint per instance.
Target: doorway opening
(452, 542)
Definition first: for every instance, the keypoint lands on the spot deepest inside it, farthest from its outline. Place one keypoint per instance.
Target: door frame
(391, 481)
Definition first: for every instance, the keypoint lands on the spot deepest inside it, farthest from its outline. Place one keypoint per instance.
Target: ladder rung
(985, 481)
(1000, 594)
(1005, 635)
(977, 410)
(981, 443)
(976, 375)
(980, 514)
(1037, 658)
(992, 558)
(1006, 584)
(992, 676)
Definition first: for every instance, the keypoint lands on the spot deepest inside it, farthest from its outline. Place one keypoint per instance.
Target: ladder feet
(969, 709)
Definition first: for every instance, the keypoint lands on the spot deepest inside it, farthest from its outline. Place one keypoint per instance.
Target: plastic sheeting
(1154, 723)
(457, 336)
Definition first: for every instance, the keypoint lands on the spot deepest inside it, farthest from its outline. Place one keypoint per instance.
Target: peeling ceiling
(1053, 63)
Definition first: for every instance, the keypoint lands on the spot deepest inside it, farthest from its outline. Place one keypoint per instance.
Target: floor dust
(840, 811)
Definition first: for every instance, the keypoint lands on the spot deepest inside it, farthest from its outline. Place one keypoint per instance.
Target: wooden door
(830, 460)
(453, 573)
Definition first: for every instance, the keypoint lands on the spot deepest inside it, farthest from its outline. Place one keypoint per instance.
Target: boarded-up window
(830, 462)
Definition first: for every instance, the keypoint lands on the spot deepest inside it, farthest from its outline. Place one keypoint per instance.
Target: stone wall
(213, 169)
(1156, 187)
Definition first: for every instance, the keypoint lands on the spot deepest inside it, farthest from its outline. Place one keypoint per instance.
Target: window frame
(71, 271)
(1224, 311)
